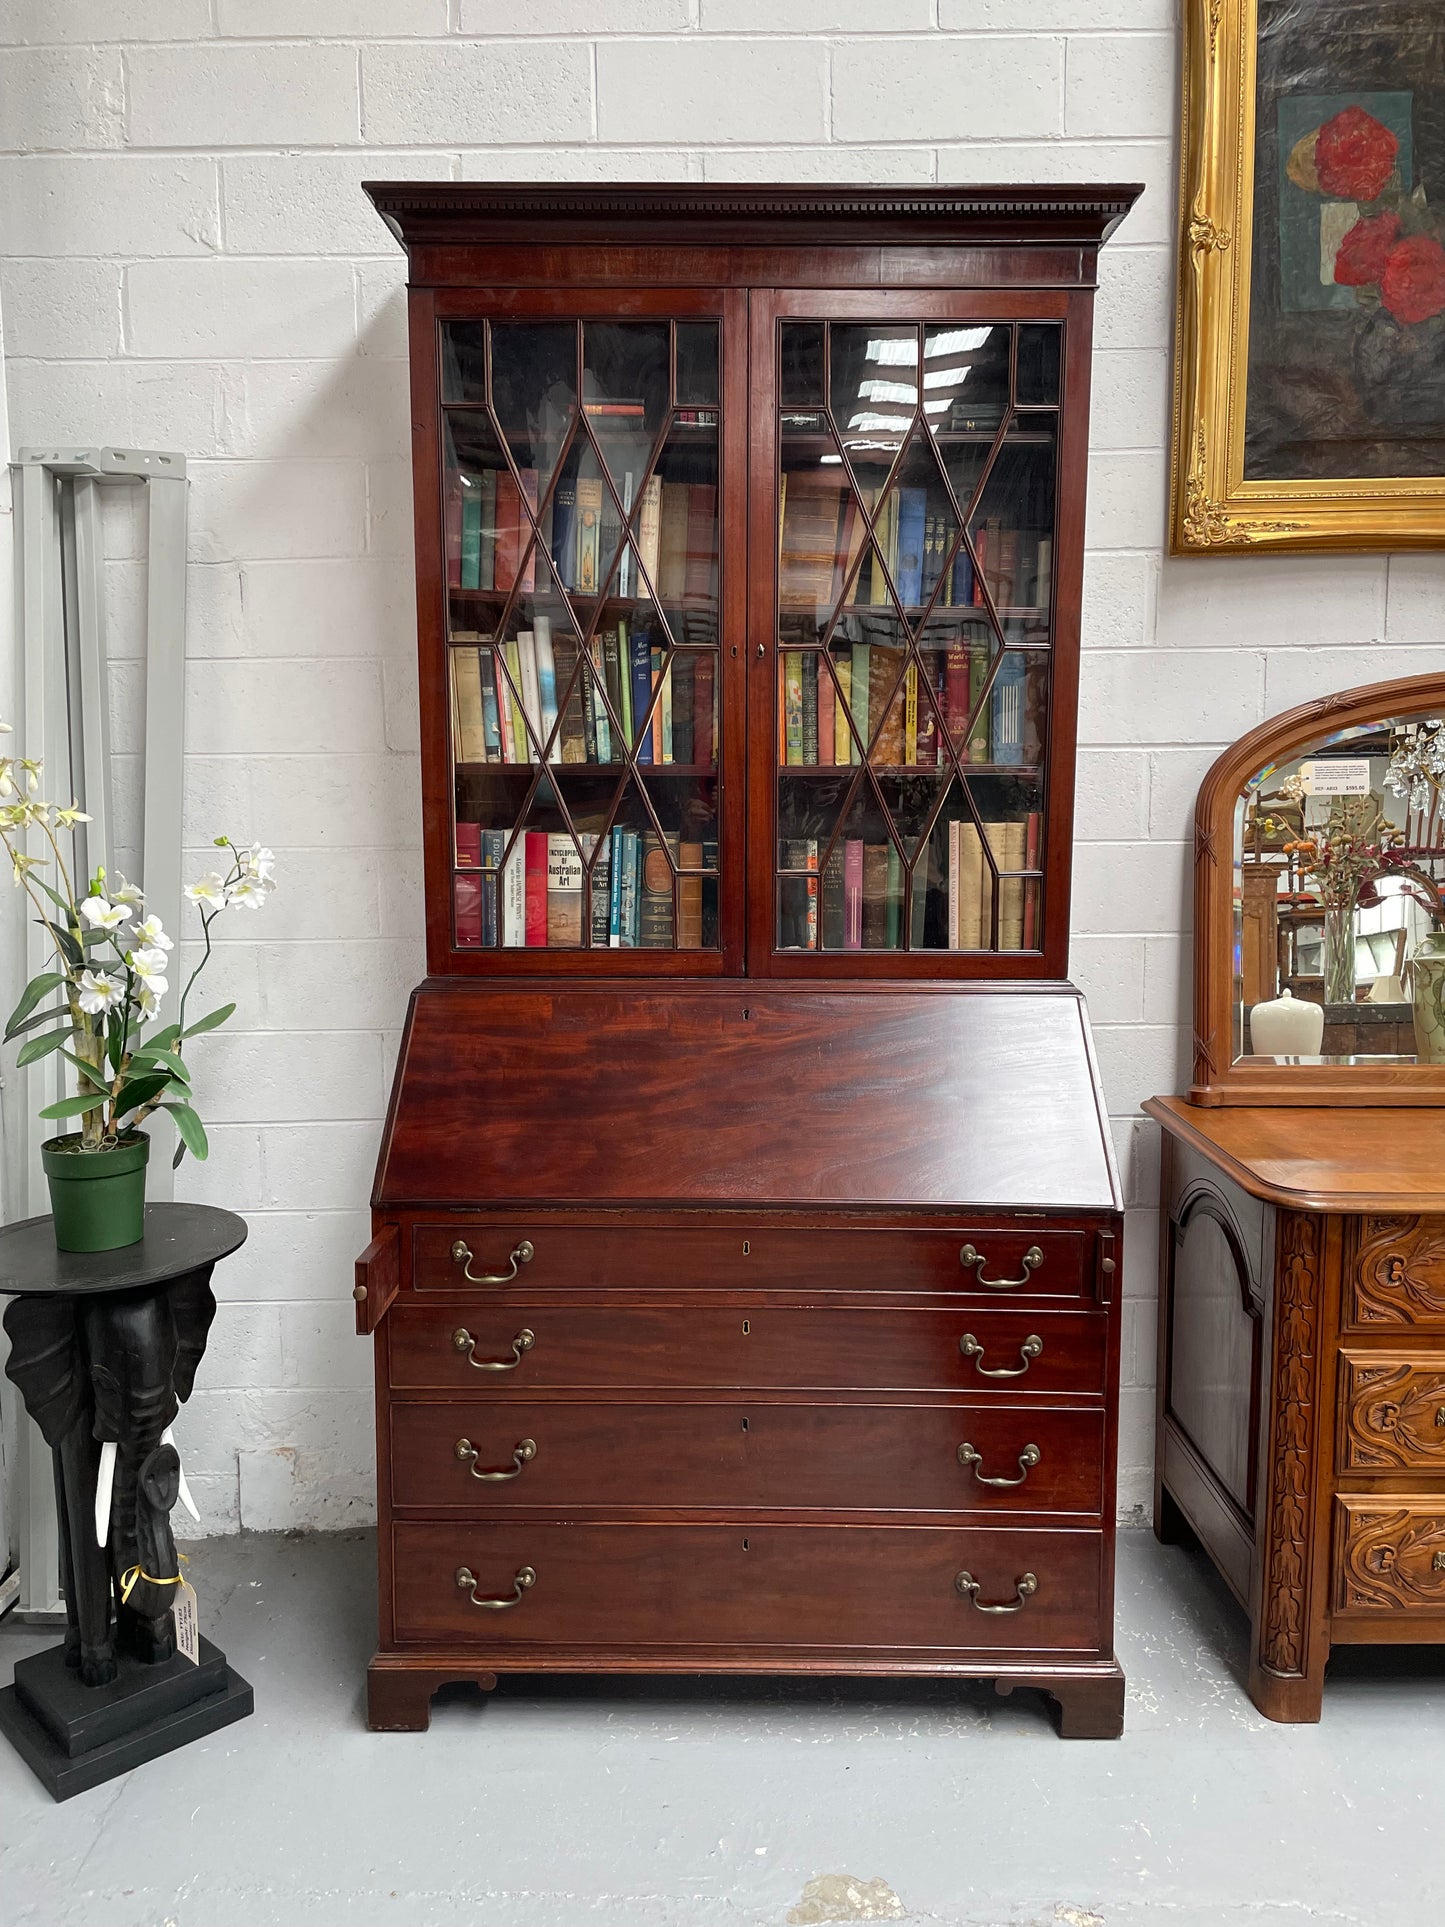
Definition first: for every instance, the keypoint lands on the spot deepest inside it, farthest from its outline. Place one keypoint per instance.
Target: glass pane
(1008, 813)
(1036, 377)
(966, 397)
(824, 530)
(800, 364)
(583, 582)
(1012, 529)
(834, 828)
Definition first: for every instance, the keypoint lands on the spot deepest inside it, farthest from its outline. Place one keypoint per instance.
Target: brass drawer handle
(1025, 1588)
(969, 1258)
(463, 1341)
(522, 1454)
(967, 1456)
(1030, 1348)
(525, 1576)
(522, 1254)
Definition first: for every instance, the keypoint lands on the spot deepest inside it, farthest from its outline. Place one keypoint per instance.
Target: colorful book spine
(827, 719)
(601, 888)
(564, 534)
(467, 910)
(630, 908)
(469, 744)
(893, 904)
(518, 750)
(979, 744)
(471, 577)
(627, 563)
(487, 567)
(655, 926)
(664, 676)
(514, 897)
(612, 682)
(853, 894)
(564, 892)
(524, 531)
(1032, 831)
(649, 536)
(956, 691)
(546, 685)
(641, 694)
(859, 690)
(509, 531)
(792, 707)
(810, 709)
(614, 890)
(704, 732)
(832, 921)
(531, 694)
(468, 838)
(589, 532)
(845, 750)
(494, 843)
(491, 709)
(598, 725)
(1007, 707)
(624, 683)
(655, 673)
(962, 586)
(910, 716)
(536, 842)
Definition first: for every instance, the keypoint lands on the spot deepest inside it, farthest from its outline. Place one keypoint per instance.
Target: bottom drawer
(597, 1586)
(1390, 1553)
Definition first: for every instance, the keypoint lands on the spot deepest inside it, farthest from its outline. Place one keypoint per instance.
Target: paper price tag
(188, 1623)
(1339, 776)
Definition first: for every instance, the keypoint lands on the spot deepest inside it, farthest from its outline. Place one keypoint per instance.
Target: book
(827, 728)
(641, 675)
(860, 689)
(979, 664)
(627, 562)
(969, 880)
(601, 880)
(991, 847)
(845, 750)
(672, 542)
(508, 551)
(956, 694)
(491, 709)
(536, 883)
(531, 695)
(514, 897)
(612, 681)
(1006, 701)
(471, 576)
(885, 539)
(875, 896)
(893, 901)
(853, 894)
(468, 839)
(700, 572)
(811, 526)
(704, 727)
(1043, 583)
(609, 534)
(925, 742)
(792, 717)
(526, 549)
(689, 896)
(494, 843)
(467, 910)
(810, 709)
(589, 532)
(519, 750)
(469, 736)
(853, 530)
(564, 891)
(452, 529)
(709, 893)
(961, 591)
(601, 722)
(654, 916)
(624, 684)
(910, 716)
(885, 707)
(487, 564)
(798, 894)
(912, 516)
(1032, 830)
(649, 533)
(1011, 888)
(663, 676)
(614, 889)
(564, 534)
(659, 736)
(546, 684)
(832, 927)
(571, 743)
(629, 908)
(682, 698)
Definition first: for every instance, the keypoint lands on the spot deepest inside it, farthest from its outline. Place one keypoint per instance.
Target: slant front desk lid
(716, 1094)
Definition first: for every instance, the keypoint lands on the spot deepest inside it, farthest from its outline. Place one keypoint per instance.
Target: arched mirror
(1320, 905)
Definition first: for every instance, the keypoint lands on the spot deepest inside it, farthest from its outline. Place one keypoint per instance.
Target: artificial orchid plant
(111, 968)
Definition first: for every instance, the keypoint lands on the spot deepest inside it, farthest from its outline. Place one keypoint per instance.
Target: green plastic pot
(97, 1198)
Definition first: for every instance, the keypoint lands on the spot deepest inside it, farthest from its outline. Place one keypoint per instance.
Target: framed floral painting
(1310, 351)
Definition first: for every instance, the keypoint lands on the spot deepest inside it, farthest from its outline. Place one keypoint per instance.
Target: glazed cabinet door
(580, 535)
(917, 492)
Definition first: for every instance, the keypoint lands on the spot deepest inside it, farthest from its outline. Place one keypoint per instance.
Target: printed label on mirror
(1336, 776)
(188, 1624)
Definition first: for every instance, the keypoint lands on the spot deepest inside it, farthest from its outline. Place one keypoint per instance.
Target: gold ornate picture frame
(1309, 381)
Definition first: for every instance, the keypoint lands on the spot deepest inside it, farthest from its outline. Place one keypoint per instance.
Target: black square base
(75, 1737)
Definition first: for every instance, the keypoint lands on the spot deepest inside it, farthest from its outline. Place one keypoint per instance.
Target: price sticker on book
(1336, 776)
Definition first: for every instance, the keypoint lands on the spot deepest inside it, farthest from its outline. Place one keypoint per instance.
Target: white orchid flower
(67, 819)
(32, 767)
(146, 998)
(7, 785)
(150, 967)
(249, 891)
(101, 915)
(259, 861)
(21, 864)
(209, 889)
(124, 892)
(152, 935)
(99, 992)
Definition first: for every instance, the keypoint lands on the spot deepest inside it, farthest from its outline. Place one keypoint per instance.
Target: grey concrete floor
(678, 1803)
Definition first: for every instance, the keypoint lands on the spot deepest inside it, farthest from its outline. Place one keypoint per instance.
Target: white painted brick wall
(187, 260)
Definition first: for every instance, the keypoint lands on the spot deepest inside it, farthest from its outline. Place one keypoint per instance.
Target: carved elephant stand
(104, 1349)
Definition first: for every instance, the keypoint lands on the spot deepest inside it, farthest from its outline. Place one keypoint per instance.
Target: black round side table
(104, 1348)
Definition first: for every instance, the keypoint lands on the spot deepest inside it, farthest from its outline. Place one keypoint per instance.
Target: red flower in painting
(1354, 155)
(1365, 249)
(1413, 283)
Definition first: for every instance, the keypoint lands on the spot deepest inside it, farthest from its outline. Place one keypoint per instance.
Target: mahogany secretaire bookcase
(746, 1270)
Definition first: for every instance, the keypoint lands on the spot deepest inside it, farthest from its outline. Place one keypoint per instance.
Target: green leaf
(68, 946)
(115, 1039)
(208, 1023)
(88, 1071)
(97, 936)
(180, 1153)
(163, 1039)
(141, 1090)
(33, 1023)
(161, 1060)
(55, 897)
(43, 1046)
(193, 1132)
(71, 1107)
(37, 988)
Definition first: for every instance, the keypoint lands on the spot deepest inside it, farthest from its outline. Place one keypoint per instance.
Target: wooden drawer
(1396, 1275)
(778, 1457)
(520, 1347)
(1391, 1413)
(1390, 1554)
(608, 1586)
(753, 1258)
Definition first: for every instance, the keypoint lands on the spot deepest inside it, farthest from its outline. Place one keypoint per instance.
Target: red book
(469, 846)
(703, 678)
(955, 691)
(454, 531)
(853, 893)
(698, 581)
(524, 530)
(468, 903)
(1031, 888)
(536, 875)
(509, 531)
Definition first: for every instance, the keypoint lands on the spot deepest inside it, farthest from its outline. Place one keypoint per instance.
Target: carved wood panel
(1390, 1558)
(1398, 1274)
(1296, 1335)
(1392, 1413)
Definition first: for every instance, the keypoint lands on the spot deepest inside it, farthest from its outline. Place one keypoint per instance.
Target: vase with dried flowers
(109, 975)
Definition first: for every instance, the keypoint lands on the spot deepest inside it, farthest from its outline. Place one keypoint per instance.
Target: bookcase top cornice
(431, 212)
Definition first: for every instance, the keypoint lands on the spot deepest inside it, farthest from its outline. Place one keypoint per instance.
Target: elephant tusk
(168, 1437)
(104, 1484)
